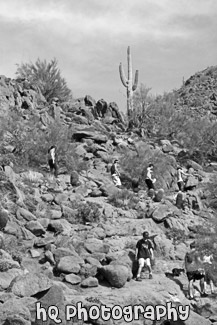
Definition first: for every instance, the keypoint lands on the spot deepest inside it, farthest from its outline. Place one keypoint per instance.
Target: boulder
(116, 275)
(7, 276)
(29, 284)
(89, 101)
(14, 311)
(25, 214)
(94, 245)
(74, 178)
(72, 278)
(89, 282)
(88, 270)
(55, 214)
(62, 252)
(36, 228)
(54, 297)
(70, 264)
(95, 136)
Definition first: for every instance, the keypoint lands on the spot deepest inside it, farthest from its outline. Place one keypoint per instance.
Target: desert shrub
(88, 212)
(162, 118)
(47, 77)
(123, 199)
(32, 143)
(206, 243)
(136, 165)
(176, 235)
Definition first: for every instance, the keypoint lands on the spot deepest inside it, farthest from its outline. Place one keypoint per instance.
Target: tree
(47, 77)
(141, 101)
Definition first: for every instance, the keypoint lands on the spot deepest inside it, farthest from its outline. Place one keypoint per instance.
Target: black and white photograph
(108, 162)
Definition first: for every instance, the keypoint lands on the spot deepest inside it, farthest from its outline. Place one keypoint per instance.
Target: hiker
(149, 180)
(52, 160)
(207, 262)
(115, 173)
(144, 255)
(194, 270)
(180, 181)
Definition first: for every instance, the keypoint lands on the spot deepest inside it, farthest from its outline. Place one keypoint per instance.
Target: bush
(124, 199)
(31, 143)
(47, 77)
(88, 212)
(206, 243)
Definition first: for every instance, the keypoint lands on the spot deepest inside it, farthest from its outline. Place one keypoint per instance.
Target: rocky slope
(198, 93)
(72, 239)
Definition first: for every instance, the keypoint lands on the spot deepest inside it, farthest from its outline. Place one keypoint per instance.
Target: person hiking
(52, 160)
(194, 270)
(149, 180)
(207, 262)
(180, 181)
(115, 173)
(144, 255)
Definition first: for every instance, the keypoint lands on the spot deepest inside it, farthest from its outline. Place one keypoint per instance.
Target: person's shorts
(181, 185)
(195, 275)
(144, 262)
(116, 180)
(51, 164)
(149, 184)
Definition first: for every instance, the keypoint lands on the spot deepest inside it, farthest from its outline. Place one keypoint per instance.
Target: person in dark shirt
(144, 254)
(194, 270)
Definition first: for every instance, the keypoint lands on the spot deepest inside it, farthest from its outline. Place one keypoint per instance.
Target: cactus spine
(128, 83)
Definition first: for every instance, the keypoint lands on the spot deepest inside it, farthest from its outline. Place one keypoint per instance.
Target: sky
(169, 40)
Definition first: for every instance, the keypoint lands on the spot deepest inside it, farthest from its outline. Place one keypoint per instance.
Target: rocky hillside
(199, 93)
(72, 239)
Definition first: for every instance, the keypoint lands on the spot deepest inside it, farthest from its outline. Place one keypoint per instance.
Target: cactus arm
(136, 80)
(122, 76)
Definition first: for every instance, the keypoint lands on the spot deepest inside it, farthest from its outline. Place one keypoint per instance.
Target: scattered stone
(89, 283)
(72, 278)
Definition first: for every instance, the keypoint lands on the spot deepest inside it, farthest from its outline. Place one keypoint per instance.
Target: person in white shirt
(52, 160)
(149, 180)
(180, 181)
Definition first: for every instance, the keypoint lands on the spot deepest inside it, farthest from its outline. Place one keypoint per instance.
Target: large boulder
(85, 134)
(15, 312)
(29, 285)
(94, 245)
(70, 264)
(116, 275)
(53, 297)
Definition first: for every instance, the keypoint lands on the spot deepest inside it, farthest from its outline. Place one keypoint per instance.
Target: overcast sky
(169, 40)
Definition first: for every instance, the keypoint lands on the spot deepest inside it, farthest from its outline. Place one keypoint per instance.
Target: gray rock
(89, 282)
(36, 228)
(116, 275)
(70, 264)
(25, 214)
(72, 278)
(94, 245)
(29, 285)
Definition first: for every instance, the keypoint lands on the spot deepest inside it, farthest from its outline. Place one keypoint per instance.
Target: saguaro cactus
(128, 82)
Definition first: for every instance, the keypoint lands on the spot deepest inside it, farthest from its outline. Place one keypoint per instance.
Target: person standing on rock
(52, 160)
(149, 180)
(144, 255)
(115, 173)
(194, 270)
(180, 181)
